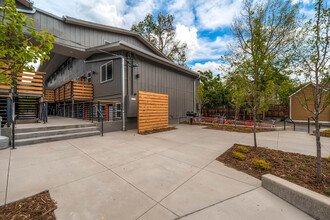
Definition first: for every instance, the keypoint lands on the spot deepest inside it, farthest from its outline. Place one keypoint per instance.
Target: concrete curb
(314, 204)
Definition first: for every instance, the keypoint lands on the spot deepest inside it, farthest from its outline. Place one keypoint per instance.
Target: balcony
(74, 90)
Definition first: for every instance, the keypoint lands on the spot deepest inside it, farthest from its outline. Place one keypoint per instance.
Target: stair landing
(57, 128)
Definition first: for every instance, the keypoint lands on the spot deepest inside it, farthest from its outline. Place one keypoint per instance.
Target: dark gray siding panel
(161, 79)
(82, 36)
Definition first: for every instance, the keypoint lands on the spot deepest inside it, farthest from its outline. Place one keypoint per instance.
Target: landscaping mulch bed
(297, 168)
(157, 130)
(36, 207)
(237, 129)
(325, 134)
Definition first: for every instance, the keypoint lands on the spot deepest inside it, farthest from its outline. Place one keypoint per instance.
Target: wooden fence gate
(152, 111)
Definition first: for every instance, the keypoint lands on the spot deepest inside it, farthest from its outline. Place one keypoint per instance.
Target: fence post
(98, 112)
(284, 123)
(308, 125)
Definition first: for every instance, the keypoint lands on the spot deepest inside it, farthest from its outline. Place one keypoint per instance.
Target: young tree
(19, 43)
(239, 96)
(263, 35)
(160, 32)
(313, 54)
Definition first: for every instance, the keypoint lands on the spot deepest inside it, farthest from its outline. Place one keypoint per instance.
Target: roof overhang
(122, 45)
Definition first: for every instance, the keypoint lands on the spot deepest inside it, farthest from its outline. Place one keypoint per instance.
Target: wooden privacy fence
(152, 111)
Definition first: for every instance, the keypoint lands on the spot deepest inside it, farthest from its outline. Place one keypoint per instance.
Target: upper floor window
(106, 72)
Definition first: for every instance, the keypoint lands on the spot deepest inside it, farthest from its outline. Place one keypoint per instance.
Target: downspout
(194, 95)
(123, 93)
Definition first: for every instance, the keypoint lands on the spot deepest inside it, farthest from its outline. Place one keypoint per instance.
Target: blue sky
(203, 24)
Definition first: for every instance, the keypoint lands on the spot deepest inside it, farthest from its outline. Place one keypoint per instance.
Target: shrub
(304, 169)
(327, 191)
(262, 164)
(328, 159)
(304, 160)
(235, 129)
(259, 128)
(291, 177)
(326, 132)
(287, 160)
(242, 149)
(310, 157)
(229, 125)
(281, 152)
(328, 168)
(247, 129)
(238, 155)
(215, 125)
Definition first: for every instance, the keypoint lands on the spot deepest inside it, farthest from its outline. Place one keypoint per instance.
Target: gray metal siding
(83, 36)
(161, 79)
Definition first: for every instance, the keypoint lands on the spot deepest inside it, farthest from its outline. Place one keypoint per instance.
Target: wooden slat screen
(82, 90)
(152, 111)
(49, 95)
(30, 83)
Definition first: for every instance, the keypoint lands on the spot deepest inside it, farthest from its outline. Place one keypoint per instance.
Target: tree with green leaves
(215, 92)
(161, 33)
(314, 64)
(263, 39)
(20, 43)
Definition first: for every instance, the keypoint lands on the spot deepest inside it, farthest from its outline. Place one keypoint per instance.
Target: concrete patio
(166, 175)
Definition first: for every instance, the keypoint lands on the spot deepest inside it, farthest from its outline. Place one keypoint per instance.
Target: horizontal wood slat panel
(152, 111)
(4, 87)
(30, 88)
(29, 92)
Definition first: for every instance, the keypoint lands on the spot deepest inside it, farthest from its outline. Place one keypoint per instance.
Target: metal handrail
(102, 118)
(294, 124)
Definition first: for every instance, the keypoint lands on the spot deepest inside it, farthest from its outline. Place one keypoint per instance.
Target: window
(89, 77)
(106, 72)
(118, 110)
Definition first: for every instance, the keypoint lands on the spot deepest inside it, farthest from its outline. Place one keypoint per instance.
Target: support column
(72, 108)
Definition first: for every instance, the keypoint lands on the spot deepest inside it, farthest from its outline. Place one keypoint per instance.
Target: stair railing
(100, 115)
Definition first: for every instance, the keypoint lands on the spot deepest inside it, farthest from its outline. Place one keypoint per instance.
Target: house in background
(115, 63)
(300, 114)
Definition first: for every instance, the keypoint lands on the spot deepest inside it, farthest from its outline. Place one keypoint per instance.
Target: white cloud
(216, 14)
(201, 48)
(211, 65)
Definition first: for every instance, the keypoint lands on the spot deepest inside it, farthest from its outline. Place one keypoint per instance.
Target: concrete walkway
(167, 175)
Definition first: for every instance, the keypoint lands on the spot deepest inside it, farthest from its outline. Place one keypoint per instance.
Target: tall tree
(20, 44)
(215, 92)
(313, 54)
(160, 32)
(263, 36)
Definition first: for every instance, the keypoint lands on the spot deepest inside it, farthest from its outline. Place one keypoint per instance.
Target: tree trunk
(236, 113)
(318, 149)
(254, 127)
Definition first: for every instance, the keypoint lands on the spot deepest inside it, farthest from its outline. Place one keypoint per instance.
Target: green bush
(326, 132)
(262, 164)
(291, 177)
(327, 191)
(328, 168)
(242, 149)
(229, 125)
(328, 159)
(215, 125)
(247, 129)
(287, 160)
(310, 157)
(305, 160)
(281, 152)
(235, 129)
(259, 128)
(238, 155)
(304, 169)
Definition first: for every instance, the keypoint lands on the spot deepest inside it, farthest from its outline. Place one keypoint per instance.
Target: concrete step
(25, 135)
(60, 137)
(54, 127)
